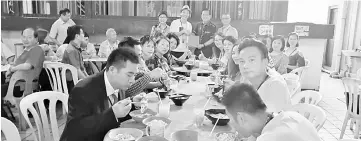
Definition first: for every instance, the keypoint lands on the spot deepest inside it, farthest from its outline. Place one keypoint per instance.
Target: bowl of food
(139, 117)
(152, 138)
(214, 114)
(123, 134)
(180, 62)
(215, 66)
(162, 92)
(153, 120)
(226, 136)
(185, 135)
(179, 99)
(189, 66)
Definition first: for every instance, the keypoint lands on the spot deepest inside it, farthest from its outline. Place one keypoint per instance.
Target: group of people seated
(102, 100)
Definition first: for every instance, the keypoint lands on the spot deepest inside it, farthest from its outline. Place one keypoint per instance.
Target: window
(37, 7)
(149, 8)
(8, 7)
(76, 7)
(173, 8)
(259, 10)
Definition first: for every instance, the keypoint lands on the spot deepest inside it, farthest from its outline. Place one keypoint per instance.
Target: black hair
(86, 34)
(163, 13)
(249, 37)
(264, 38)
(172, 35)
(207, 10)
(120, 56)
(278, 37)
(254, 43)
(231, 39)
(128, 42)
(35, 32)
(71, 32)
(64, 11)
(288, 38)
(145, 39)
(160, 38)
(42, 33)
(243, 97)
(219, 34)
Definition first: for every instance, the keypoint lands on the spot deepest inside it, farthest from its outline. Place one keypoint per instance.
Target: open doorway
(332, 19)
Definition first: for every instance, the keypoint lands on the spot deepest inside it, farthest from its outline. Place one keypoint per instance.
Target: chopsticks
(214, 127)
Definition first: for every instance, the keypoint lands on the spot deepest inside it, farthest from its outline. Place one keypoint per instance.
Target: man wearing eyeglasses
(228, 29)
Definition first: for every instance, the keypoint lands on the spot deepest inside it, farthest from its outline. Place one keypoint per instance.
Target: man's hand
(122, 108)
(156, 73)
(200, 46)
(138, 99)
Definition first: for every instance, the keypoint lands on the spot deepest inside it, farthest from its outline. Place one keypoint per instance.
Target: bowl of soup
(138, 117)
(179, 99)
(214, 114)
(123, 134)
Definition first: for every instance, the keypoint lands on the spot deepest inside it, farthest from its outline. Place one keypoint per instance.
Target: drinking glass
(199, 117)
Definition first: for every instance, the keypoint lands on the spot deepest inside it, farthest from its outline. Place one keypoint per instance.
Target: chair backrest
(10, 131)
(358, 75)
(313, 113)
(301, 72)
(307, 62)
(27, 76)
(352, 93)
(308, 97)
(19, 48)
(57, 75)
(42, 124)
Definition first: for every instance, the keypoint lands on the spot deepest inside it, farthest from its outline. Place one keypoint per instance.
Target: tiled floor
(332, 102)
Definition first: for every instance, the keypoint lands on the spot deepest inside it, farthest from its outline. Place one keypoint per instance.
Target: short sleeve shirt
(59, 29)
(229, 31)
(34, 56)
(288, 126)
(177, 25)
(106, 48)
(205, 33)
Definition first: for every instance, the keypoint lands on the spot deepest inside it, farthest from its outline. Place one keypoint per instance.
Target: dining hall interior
(185, 70)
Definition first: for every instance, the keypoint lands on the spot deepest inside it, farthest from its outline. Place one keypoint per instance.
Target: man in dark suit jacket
(94, 106)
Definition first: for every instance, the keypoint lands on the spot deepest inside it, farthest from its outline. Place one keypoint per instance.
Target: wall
(313, 11)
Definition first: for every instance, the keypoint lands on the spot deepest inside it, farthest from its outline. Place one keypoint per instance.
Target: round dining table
(183, 116)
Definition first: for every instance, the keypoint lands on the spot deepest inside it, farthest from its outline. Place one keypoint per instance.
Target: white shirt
(176, 24)
(60, 51)
(90, 49)
(229, 31)
(6, 52)
(59, 29)
(274, 92)
(289, 126)
(110, 91)
(106, 48)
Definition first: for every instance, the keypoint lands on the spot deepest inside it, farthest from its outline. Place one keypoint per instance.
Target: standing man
(205, 30)
(58, 31)
(181, 27)
(97, 103)
(228, 29)
(107, 46)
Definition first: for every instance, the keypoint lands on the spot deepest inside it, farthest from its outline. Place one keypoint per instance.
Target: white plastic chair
(10, 131)
(28, 77)
(293, 83)
(353, 101)
(301, 72)
(57, 75)
(313, 113)
(358, 75)
(42, 123)
(309, 97)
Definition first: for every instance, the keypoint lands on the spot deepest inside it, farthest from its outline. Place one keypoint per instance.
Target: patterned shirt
(157, 28)
(157, 62)
(142, 80)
